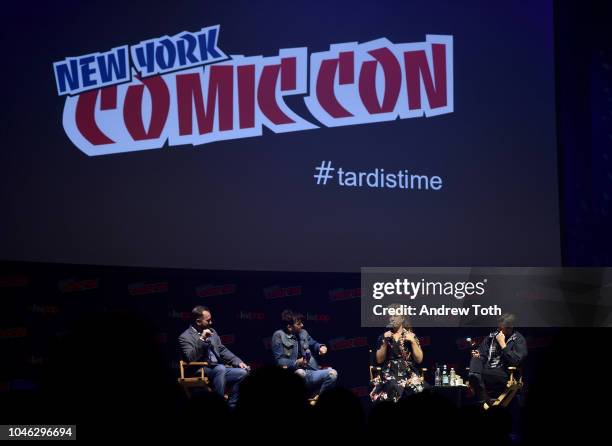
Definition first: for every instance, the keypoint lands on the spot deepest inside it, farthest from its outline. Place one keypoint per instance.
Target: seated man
(489, 364)
(292, 348)
(201, 343)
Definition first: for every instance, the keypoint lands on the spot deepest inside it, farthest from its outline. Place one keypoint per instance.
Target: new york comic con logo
(184, 89)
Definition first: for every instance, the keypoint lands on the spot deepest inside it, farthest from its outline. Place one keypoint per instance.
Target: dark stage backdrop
(42, 303)
(484, 127)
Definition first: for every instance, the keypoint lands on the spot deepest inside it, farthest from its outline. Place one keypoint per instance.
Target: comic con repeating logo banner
(184, 89)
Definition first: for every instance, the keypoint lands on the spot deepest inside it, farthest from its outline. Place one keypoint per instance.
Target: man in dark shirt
(200, 342)
(489, 364)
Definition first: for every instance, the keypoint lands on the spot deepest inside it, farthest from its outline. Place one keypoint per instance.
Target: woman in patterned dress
(399, 352)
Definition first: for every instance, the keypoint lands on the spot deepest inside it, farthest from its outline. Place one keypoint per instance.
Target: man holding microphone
(489, 364)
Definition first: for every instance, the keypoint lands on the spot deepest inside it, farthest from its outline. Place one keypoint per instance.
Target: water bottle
(438, 379)
(444, 376)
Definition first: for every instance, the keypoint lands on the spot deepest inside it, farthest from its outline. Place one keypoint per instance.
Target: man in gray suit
(200, 342)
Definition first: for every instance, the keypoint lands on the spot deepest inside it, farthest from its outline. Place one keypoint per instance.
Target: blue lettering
(208, 44)
(87, 71)
(145, 58)
(113, 66)
(162, 62)
(67, 73)
(185, 54)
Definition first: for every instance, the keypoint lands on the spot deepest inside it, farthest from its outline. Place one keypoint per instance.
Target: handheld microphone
(307, 355)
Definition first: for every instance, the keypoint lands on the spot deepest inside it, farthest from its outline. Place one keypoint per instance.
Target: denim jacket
(285, 348)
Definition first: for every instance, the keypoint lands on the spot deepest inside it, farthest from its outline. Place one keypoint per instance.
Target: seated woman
(399, 352)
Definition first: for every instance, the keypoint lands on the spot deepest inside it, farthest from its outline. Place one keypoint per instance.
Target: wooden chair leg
(509, 397)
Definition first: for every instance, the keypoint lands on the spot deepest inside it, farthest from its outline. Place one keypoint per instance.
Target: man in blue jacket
(200, 342)
(294, 349)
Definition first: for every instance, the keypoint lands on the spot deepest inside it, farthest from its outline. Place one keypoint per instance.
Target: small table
(456, 394)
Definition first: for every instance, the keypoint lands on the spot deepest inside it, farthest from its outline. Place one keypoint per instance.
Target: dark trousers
(487, 382)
